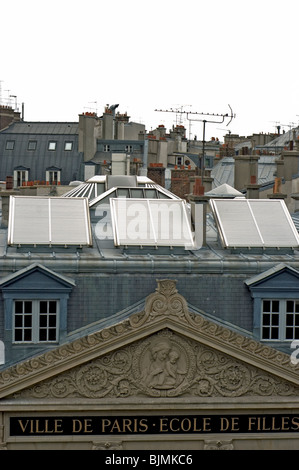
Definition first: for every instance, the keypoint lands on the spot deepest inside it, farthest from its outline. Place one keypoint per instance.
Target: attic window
(52, 146)
(35, 321)
(68, 146)
(10, 144)
(32, 145)
(280, 320)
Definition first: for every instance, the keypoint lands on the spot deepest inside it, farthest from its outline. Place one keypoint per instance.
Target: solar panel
(254, 223)
(151, 222)
(37, 220)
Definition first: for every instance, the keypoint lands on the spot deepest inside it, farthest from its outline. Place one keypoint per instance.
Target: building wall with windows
(40, 152)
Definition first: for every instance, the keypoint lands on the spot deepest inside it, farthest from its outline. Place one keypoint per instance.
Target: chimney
(277, 194)
(108, 124)
(198, 205)
(246, 167)
(89, 128)
(290, 164)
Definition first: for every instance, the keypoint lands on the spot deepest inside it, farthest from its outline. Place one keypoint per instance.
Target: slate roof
(223, 171)
(49, 128)
(38, 161)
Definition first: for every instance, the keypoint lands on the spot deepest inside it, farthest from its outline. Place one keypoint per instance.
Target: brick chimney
(8, 116)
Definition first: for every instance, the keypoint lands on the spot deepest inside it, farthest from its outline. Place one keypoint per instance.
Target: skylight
(254, 223)
(151, 222)
(48, 221)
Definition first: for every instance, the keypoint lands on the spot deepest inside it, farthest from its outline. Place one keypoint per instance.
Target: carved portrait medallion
(163, 365)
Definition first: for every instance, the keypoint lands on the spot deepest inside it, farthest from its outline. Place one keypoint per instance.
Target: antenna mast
(209, 119)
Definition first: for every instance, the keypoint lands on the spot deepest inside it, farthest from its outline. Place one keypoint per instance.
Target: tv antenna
(205, 118)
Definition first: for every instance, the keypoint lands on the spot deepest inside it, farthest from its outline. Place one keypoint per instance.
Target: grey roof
(49, 128)
(283, 139)
(39, 160)
(223, 171)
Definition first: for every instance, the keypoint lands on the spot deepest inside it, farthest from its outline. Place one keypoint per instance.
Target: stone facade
(163, 371)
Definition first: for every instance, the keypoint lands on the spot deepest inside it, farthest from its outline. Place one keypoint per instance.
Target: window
(270, 319)
(52, 146)
(10, 144)
(32, 145)
(53, 176)
(35, 321)
(20, 177)
(280, 319)
(106, 148)
(68, 146)
(129, 148)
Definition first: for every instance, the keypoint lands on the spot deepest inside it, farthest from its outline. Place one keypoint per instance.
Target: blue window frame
(35, 302)
(275, 296)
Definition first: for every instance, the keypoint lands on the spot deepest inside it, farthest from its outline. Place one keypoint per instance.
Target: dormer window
(35, 304)
(276, 304)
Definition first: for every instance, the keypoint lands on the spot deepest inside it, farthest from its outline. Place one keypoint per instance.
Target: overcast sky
(62, 58)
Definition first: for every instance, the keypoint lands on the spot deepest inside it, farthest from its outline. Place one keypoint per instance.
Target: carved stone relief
(163, 365)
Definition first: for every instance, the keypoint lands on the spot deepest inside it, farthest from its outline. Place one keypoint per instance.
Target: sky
(189, 58)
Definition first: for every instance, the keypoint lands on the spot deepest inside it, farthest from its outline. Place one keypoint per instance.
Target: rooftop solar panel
(151, 222)
(48, 221)
(254, 223)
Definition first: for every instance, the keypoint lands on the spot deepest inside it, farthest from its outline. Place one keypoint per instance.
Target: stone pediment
(163, 351)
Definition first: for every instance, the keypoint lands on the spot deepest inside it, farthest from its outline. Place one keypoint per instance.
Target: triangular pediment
(163, 351)
(280, 276)
(35, 277)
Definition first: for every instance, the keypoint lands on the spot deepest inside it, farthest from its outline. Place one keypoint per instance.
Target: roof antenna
(211, 118)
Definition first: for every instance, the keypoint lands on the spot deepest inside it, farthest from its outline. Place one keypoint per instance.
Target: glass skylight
(151, 222)
(48, 221)
(254, 223)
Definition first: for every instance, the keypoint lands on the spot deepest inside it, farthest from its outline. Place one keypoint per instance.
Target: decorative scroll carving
(142, 367)
(163, 365)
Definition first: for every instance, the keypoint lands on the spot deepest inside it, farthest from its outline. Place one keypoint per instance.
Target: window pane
(18, 307)
(274, 333)
(43, 307)
(290, 306)
(18, 335)
(28, 307)
(10, 145)
(266, 333)
(275, 320)
(27, 335)
(275, 306)
(52, 146)
(52, 334)
(68, 145)
(43, 321)
(52, 306)
(289, 333)
(266, 306)
(43, 335)
(28, 321)
(18, 321)
(52, 321)
(266, 319)
(32, 145)
(289, 319)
